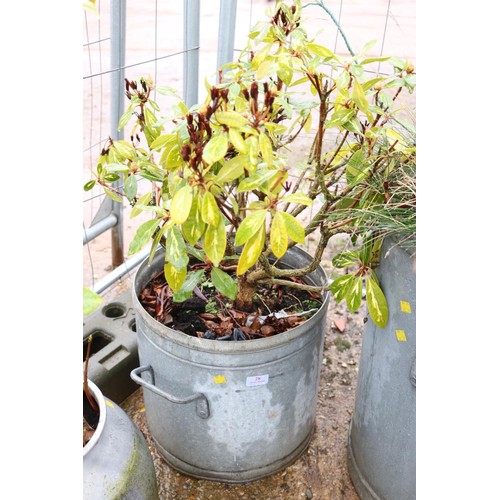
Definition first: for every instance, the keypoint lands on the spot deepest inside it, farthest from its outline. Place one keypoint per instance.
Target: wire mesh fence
(180, 44)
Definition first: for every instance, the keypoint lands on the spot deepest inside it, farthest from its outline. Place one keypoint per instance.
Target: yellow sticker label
(220, 379)
(109, 403)
(400, 335)
(405, 306)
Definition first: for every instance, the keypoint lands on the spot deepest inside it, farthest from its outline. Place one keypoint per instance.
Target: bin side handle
(202, 407)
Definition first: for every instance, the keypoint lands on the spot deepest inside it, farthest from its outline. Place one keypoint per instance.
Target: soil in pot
(90, 419)
(209, 314)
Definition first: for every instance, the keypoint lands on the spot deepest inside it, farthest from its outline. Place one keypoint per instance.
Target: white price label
(257, 380)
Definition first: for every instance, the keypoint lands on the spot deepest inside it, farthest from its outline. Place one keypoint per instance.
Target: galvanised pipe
(99, 227)
(227, 22)
(121, 270)
(191, 51)
(117, 63)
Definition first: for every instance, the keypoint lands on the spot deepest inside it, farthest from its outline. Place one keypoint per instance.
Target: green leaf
(143, 234)
(357, 169)
(299, 198)
(340, 117)
(156, 241)
(294, 228)
(256, 180)
(209, 210)
(175, 248)
(214, 242)
(224, 283)
(376, 302)
(111, 177)
(197, 254)
(354, 126)
(340, 286)
(251, 251)
(125, 117)
(130, 187)
(143, 200)
(231, 170)
(279, 235)
(345, 259)
(89, 185)
(375, 59)
(354, 294)
(175, 277)
(231, 119)
(194, 227)
(181, 204)
(188, 286)
(91, 301)
(365, 251)
(249, 226)
(343, 80)
(117, 167)
(215, 149)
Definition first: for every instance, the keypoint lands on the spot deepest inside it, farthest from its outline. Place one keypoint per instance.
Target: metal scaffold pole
(117, 33)
(191, 50)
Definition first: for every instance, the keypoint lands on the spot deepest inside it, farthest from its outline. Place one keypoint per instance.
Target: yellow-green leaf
(294, 228)
(257, 180)
(285, 71)
(181, 204)
(359, 98)
(231, 119)
(266, 149)
(214, 242)
(91, 300)
(175, 248)
(231, 170)
(320, 50)
(112, 195)
(143, 200)
(354, 294)
(237, 140)
(265, 68)
(209, 210)
(215, 149)
(376, 302)
(340, 286)
(124, 149)
(251, 251)
(194, 227)
(249, 226)
(299, 198)
(175, 277)
(279, 235)
(163, 140)
(308, 123)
